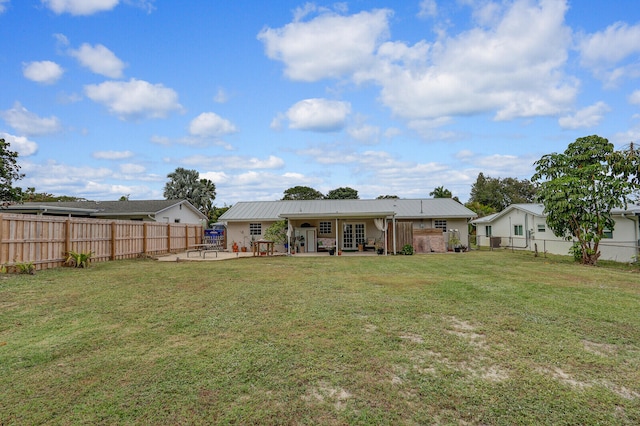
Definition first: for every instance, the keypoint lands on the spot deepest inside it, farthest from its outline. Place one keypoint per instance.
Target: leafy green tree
(186, 185)
(387, 197)
(9, 173)
(440, 192)
(277, 232)
(302, 193)
(343, 193)
(480, 209)
(31, 196)
(500, 193)
(581, 186)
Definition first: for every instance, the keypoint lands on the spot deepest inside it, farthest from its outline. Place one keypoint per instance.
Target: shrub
(407, 249)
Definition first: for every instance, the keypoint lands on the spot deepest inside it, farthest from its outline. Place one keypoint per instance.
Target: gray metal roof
(102, 208)
(538, 210)
(400, 208)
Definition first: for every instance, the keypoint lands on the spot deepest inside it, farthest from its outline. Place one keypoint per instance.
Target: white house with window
(352, 225)
(524, 227)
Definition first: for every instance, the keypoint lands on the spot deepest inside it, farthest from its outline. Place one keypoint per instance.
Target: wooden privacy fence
(45, 241)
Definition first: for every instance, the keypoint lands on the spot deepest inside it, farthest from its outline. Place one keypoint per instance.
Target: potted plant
(379, 248)
(455, 243)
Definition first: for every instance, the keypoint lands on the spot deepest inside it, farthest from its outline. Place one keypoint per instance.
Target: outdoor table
(268, 247)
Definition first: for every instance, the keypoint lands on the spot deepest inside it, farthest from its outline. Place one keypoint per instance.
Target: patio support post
(336, 248)
(394, 235)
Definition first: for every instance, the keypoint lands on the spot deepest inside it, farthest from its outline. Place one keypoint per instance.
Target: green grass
(474, 338)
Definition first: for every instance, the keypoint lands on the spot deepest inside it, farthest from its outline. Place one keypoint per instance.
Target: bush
(407, 249)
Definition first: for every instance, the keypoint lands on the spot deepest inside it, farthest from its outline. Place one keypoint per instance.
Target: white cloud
(134, 99)
(28, 123)
(590, 116)
(605, 50)
(501, 68)
(2, 5)
(428, 9)
(320, 115)
(233, 162)
(365, 133)
(328, 46)
(221, 96)
(634, 98)
(99, 60)
(112, 155)
(20, 144)
(80, 7)
(45, 72)
(210, 124)
(132, 169)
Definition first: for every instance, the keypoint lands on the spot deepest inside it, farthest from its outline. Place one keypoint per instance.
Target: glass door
(347, 236)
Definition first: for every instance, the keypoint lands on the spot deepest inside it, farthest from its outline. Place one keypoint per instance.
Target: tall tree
(343, 193)
(581, 186)
(9, 173)
(186, 185)
(387, 197)
(500, 193)
(302, 193)
(440, 192)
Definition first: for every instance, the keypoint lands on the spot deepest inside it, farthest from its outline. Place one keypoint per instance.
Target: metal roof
(538, 210)
(102, 208)
(400, 208)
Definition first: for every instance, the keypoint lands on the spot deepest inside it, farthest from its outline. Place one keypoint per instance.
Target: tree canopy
(343, 193)
(186, 185)
(9, 173)
(440, 192)
(302, 193)
(581, 186)
(500, 193)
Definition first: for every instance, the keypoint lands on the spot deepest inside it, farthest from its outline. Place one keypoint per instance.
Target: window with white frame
(324, 228)
(255, 229)
(487, 231)
(518, 230)
(542, 227)
(440, 224)
(607, 233)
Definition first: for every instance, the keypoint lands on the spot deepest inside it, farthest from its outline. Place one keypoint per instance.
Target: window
(542, 227)
(487, 231)
(255, 229)
(177, 220)
(517, 230)
(607, 233)
(440, 224)
(325, 228)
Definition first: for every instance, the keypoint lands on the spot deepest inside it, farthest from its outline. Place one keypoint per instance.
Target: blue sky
(104, 98)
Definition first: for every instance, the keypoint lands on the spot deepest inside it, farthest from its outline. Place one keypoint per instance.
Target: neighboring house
(524, 226)
(345, 224)
(167, 211)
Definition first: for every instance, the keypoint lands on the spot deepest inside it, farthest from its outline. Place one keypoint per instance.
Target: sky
(104, 98)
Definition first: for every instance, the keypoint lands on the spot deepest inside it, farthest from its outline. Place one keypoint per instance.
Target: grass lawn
(471, 338)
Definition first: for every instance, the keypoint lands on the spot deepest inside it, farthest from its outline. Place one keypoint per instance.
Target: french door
(353, 233)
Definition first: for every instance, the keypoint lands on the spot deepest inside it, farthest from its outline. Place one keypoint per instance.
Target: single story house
(166, 211)
(316, 225)
(524, 227)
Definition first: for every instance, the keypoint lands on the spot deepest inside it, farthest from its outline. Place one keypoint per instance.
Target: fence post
(145, 236)
(67, 236)
(186, 237)
(2, 249)
(113, 240)
(168, 237)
